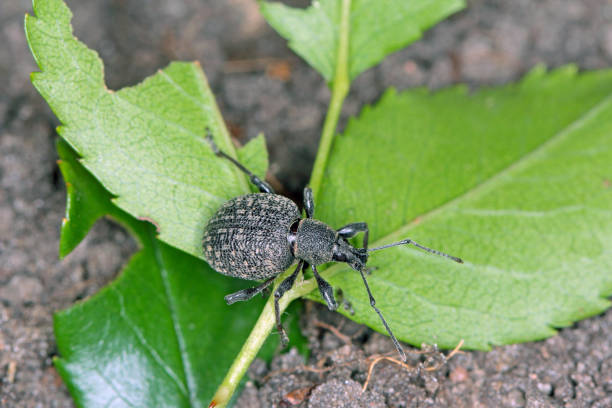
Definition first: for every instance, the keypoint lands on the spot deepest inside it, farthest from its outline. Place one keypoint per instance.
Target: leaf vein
(426, 300)
(491, 182)
(189, 375)
(142, 340)
(137, 164)
(110, 384)
(179, 88)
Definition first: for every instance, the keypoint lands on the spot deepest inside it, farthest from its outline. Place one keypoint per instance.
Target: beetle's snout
(362, 254)
(356, 258)
(359, 259)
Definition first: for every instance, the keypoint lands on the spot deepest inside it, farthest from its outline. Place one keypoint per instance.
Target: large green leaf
(145, 143)
(513, 180)
(376, 28)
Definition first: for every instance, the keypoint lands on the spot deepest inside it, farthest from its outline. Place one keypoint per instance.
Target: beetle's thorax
(314, 241)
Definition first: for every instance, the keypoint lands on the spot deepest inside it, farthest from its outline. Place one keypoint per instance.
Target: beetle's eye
(338, 256)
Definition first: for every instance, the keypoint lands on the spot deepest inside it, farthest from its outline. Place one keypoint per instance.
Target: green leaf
(161, 334)
(144, 143)
(86, 202)
(377, 28)
(514, 180)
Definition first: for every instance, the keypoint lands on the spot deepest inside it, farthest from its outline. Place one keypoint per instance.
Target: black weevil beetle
(258, 236)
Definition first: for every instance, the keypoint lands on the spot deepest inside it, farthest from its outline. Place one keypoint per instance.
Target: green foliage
(149, 338)
(512, 180)
(144, 143)
(86, 201)
(376, 29)
(159, 335)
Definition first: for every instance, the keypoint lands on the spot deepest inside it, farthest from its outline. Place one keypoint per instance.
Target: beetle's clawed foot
(248, 293)
(241, 295)
(236, 297)
(284, 339)
(328, 296)
(327, 293)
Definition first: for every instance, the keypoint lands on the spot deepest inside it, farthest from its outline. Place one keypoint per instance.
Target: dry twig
(336, 332)
(378, 358)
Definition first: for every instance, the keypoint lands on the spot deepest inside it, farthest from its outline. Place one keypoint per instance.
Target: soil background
(261, 86)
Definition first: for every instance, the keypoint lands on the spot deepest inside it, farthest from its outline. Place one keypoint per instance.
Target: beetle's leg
(278, 293)
(257, 182)
(399, 348)
(248, 293)
(326, 290)
(308, 202)
(352, 229)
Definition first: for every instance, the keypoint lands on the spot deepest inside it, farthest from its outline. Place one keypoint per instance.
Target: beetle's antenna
(399, 348)
(408, 241)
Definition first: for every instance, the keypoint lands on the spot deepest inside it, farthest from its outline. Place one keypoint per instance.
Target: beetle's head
(345, 252)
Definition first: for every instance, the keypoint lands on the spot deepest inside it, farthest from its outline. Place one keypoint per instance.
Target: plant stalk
(258, 335)
(340, 88)
(266, 321)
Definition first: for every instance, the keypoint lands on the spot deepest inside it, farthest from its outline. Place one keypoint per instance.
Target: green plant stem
(258, 335)
(340, 87)
(266, 321)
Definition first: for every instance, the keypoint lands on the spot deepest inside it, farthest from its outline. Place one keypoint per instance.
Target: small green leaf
(85, 201)
(514, 180)
(377, 28)
(145, 143)
(161, 334)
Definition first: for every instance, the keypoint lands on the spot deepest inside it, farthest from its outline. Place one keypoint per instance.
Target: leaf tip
(27, 18)
(197, 64)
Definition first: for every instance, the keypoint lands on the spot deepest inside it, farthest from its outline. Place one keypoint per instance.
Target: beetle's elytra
(247, 237)
(258, 236)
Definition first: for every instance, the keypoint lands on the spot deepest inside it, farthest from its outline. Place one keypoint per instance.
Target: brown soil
(262, 87)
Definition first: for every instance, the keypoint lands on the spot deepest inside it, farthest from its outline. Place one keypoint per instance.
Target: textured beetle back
(247, 236)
